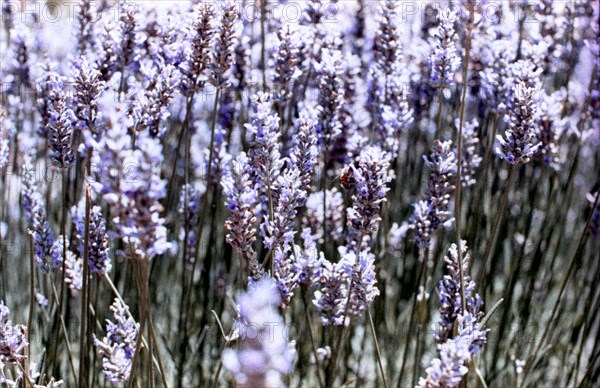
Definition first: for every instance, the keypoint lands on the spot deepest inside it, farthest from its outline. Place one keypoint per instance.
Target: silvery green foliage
(265, 354)
(118, 345)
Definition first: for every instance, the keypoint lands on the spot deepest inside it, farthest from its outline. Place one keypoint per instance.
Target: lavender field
(299, 193)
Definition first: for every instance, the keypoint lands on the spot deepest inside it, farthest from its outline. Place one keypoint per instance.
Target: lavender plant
(172, 156)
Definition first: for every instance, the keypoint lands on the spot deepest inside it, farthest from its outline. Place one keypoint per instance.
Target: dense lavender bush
(272, 187)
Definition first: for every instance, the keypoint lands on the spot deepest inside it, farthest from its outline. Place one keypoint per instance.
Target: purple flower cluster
(60, 124)
(450, 294)
(189, 211)
(459, 334)
(331, 298)
(517, 145)
(46, 255)
(445, 60)
(134, 198)
(118, 345)
(360, 269)
(371, 176)
(241, 196)
(449, 368)
(98, 258)
(13, 341)
(224, 50)
(431, 214)
(265, 354)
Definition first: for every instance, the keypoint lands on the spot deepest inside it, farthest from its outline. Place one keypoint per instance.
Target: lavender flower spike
(360, 268)
(442, 163)
(372, 175)
(98, 258)
(444, 60)
(450, 294)
(241, 197)
(517, 146)
(330, 299)
(265, 354)
(12, 340)
(457, 345)
(118, 346)
(223, 57)
(59, 125)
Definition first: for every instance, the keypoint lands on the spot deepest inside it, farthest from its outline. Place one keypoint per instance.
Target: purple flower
(118, 345)
(304, 154)
(60, 121)
(46, 255)
(450, 294)
(288, 196)
(199, 57)
(471, 159)
(156, 98)
(265, 354)
(286, 274)
(330, 71)
(13, 340)
(371, 175)
(85, 27)
(286, 62)
(517, 146)
(189, 211)
(496, 76)
(264, 154)
(420, 223)
(241, 196)
(223, 54)
(444, 60)
(331, 298)
(133, 194)
(360, 269)
(334, 214)
(387, 44)
(551, 128)
(428, 216)
(88, 87)
(98, 258)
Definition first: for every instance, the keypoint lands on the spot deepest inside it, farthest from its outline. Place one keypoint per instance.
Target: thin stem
(422, 313)
(563, 286)
(459, 140)
(385, 384)
(495, 228)
(312, 338)
(84, 294)
(31, 298)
